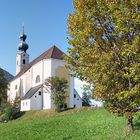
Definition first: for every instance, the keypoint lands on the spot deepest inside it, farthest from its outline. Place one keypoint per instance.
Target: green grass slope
(82, 124)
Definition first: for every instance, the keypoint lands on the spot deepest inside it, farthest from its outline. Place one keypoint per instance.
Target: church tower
(22, 58)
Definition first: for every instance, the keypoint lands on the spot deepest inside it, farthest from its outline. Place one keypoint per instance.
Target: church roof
(31, 92)
(53, 52)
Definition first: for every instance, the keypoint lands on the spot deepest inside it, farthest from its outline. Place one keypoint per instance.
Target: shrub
(58, 88)
(11, 111)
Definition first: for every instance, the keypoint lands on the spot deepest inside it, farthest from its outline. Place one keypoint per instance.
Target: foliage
(57, 87)
(105, 36)
(86, 95)
(3, 88)
(11, 111)
(76, 124)
(88, 88)
(86, 99)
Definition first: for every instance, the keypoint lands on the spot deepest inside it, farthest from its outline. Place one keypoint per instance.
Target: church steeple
(22, 58)
(23, 46)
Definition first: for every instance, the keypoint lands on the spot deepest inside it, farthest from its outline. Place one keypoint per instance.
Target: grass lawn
(77, 124)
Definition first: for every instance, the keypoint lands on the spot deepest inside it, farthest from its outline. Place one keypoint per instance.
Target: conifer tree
(3, 88)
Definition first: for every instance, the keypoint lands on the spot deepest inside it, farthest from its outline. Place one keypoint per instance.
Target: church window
(26, 103)
(23, 61)
(15, 86)
(37, 79)
(39, 93)
(74, 106)
(65, 105)
(74, 95)
(61, 106)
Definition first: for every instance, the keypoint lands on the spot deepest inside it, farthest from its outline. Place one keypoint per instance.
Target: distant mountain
(7, 75)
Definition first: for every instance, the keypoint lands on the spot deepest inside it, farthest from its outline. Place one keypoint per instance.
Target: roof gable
(31, 92)
(53, 52)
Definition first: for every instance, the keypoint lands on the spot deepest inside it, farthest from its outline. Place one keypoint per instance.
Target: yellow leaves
(106, 42)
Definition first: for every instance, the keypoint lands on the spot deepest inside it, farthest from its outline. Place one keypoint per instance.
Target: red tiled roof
(53, 52)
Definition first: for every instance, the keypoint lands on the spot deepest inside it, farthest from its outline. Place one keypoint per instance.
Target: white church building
(28, 83)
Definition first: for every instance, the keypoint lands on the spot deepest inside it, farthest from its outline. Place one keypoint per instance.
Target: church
(28, 83)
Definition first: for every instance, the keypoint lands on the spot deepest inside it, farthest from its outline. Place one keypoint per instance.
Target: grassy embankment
(78, 124)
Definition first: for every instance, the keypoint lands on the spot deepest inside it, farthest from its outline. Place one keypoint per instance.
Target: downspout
(42, 82)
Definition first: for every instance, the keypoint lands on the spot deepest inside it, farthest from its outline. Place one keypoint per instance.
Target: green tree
(87, 94)
(3, 88)
(105, 40)
(11, 111)
(58, 88)
(86, 99)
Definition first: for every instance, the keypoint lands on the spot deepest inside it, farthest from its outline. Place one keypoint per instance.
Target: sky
(45, 24)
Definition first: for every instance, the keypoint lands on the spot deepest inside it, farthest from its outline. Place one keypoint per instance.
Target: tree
(105, 39)
(11, 111)
(85, 99)
(3, 88)
(86, 95)
(57, 87)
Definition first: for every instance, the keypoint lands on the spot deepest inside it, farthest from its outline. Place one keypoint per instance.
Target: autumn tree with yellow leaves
(105, 40)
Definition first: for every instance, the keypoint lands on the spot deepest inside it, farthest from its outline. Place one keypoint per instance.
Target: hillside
(7, 75)
(78, 124)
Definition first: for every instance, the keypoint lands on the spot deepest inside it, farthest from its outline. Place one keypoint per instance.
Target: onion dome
(23, 46)
(23, 37)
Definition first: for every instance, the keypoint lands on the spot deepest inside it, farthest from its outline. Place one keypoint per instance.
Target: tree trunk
(130, 124)
(129, 115)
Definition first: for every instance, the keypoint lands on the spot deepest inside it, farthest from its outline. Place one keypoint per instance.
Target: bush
(11, 111)
(86, 99)
(58, 88)
(8, 112)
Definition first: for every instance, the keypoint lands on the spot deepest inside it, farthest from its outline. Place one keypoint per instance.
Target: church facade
(29, 85)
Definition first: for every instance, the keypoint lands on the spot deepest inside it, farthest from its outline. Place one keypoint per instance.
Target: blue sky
(45, 24)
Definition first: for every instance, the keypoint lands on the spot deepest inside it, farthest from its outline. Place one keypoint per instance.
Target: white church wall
(57, 63)
(46, 100)
(19, 61)
(46, 66)
(36, 100)
(23, 85)
(25, 105)
(71, 92)
(14, 89)
(47, 69)
(28, 79)
(77, 100)
(37, 70)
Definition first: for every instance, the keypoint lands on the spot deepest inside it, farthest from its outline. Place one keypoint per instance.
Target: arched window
(15, 86)
(37, 80)
(23, 61)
